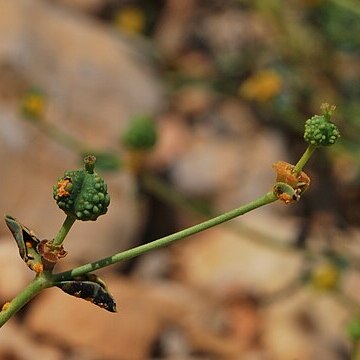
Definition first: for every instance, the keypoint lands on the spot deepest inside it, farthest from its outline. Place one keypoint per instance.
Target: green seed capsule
(141, 134)
(319, 130)
(82, 193)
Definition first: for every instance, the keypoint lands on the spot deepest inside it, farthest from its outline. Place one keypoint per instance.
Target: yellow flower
(325, 276)
(33, 104)
(5, 306)
(262, 86)
(130, 19)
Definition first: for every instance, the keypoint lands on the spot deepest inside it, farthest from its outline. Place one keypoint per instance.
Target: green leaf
(91, 288)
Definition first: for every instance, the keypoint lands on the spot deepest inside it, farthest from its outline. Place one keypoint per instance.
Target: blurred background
(218, 91)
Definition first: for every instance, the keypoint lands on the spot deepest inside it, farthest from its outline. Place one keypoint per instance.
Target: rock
(350, 282)
(195, 172)
(82, 326)
(234, 170)
(88, 6)
(145, 309)
(173, 26)
(233, 30)
(299, 326)
(17, 343)
(199, 318)
(196, 65)
(237, 119)
(174, 140)
(253, 175)
(93, 83)
(193, 100)
(218, 259)
(100, 81)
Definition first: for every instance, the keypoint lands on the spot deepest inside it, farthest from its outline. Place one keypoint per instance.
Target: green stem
(168, 194)
(139, 250)
(36, 286)
(304, 159)
(165, 192)
(65, 228)
(61, 137)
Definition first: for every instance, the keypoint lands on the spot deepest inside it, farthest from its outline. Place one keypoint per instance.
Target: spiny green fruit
(82, 193)
(141, 133)
(319, 130)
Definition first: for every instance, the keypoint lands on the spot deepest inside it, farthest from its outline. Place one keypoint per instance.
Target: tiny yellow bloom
(262, 86)
(130, 19)
(325, 276)
(33, 104)
(38, 267)
(5, 306)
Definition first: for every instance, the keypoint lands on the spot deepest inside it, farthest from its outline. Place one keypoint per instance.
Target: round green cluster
(141, 133)
(319, 131)
(82, 193)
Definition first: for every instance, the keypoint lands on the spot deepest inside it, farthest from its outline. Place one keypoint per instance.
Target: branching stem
(45, 280)
(40, 283)
(139, 250)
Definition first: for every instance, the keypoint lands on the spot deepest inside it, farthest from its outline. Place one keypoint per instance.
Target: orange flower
(325, 276)
(130, 19)
(63, 187)
(285, 175)
(38, 267)
(262, 86)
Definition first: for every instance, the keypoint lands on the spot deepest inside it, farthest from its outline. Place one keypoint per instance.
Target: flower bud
(319, 130)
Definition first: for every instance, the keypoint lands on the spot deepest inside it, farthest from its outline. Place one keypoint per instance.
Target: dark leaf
(91, 288)
(17, 230)
(27, 243)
